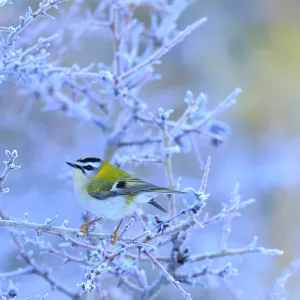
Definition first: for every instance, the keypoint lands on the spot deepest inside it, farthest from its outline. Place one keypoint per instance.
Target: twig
(42, 11)
(143, 142)
(163, 49)
(56, 230)
(205, 176)
(23, 271)
(168, 276)
(43, 273)
(9, 166)
(227, 102)
(168, 169)
(233, 252)
(192, 223)
(227, 220)
(2, 28)
(280, 285)
(187, 115)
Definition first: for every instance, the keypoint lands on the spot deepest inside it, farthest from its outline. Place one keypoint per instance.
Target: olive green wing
(134, 185)
(102, 190)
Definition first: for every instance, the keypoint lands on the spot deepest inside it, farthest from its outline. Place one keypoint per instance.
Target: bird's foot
(84, 228)
(114, 236)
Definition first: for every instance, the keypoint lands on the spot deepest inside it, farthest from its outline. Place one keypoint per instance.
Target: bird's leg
(115, 233)
(84, 228)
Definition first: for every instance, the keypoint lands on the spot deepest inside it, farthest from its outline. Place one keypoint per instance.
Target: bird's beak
(71, 165)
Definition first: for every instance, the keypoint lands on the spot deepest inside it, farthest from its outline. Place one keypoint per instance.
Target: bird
(110, 192)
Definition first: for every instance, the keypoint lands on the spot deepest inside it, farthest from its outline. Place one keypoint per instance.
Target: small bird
(110, 192)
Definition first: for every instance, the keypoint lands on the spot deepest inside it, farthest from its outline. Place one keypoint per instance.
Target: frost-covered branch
(154, 58)
(280, 291)
(168, 276)
(9, 166)
(36, 269)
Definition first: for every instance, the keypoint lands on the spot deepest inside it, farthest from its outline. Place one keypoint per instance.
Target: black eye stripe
(88, 167)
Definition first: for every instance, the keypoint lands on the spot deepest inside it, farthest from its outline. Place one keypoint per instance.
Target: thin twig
(43, 273)
(205, 176)
(168, 276)
(56, 230)
(227, 221)
(168, 169)
(23, 271)
(9, 166)
(227, 102)
(163, 49)
(233, 252)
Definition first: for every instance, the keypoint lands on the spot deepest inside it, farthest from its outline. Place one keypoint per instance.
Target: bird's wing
(102, 190)
(99, 189)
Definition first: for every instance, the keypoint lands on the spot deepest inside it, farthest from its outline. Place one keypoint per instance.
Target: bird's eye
(88, 167)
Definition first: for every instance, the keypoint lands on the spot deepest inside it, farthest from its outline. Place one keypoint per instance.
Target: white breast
(114, 208)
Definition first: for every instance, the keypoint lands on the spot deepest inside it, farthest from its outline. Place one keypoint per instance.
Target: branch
(56, 230)
(191, 277)
(30, 17)
(163, 49)
(227, 102)
(9, 166)
(168, 168)
(140, 143)
(2, 28)
(280, 285)
(234, 252)
(168, 276)
(27, 270)
(43, 273)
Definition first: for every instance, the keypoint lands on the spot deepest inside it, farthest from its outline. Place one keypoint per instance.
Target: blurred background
(251, 44)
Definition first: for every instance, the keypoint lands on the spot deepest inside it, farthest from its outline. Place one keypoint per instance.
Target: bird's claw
(84, 228)
(114, 236)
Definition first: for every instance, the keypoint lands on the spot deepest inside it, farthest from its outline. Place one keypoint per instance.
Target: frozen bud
(5, 191)
(106, 76)
(189, 98)
(14, 153)
(65, 223)
(165, 114)
(202, 98)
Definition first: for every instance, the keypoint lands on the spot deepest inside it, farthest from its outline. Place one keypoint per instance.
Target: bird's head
(86, 167)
